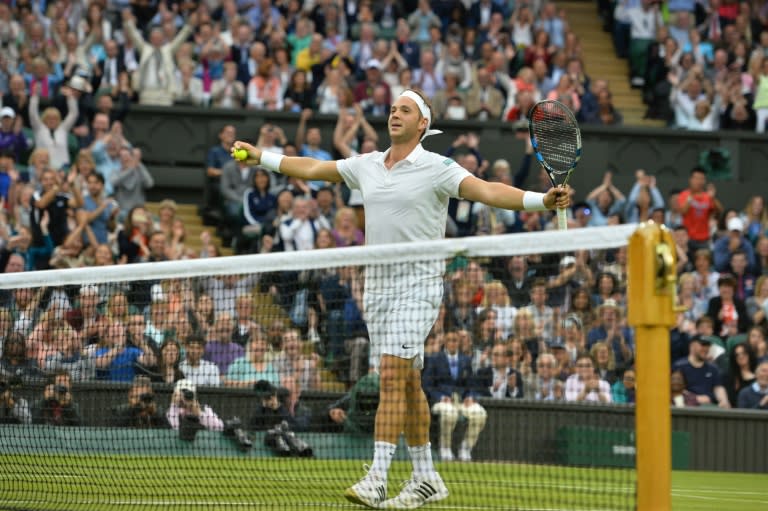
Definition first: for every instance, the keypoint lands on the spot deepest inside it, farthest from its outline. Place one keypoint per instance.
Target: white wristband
(271, 161)
(533, 201)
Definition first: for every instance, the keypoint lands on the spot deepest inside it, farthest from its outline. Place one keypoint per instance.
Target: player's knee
(390, 381)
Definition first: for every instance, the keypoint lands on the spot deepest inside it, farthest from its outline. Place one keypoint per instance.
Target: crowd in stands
(702, 65)
(549, 327)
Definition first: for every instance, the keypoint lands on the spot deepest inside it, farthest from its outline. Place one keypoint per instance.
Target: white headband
(424, 109)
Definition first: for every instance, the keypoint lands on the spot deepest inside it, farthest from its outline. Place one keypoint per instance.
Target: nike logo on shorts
(406, 347)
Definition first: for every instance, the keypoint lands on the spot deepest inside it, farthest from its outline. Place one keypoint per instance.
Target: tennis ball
(240, 154)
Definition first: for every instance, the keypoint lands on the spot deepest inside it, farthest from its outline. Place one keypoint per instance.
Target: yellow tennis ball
(240, 154)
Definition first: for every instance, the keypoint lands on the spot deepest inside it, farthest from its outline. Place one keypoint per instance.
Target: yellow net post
(651, 303)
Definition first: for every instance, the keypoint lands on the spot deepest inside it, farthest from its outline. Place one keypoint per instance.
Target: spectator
(228, 91)
(644, 19)
(154, 78)
(610, 330)
(731, 243)
(680, 395)
(50, 131)
(68, 356)
(757, 305)
(12, 139)
(115, 359)
(545, 318)
(57, 407)
(195, 369)
(298, 95)
(271, 409)
(604, 362)
(219, 348)
(483, 100)
(499, 380)
(426, 77)
(218, 156)
(755, 396)
(54, 198)
(188, 89)
(99, 212)
(132, 181)
(698, 205)
(259, 209)
(185, 408)
(356, 410)
(168, 369)
(586, 385)
(742, 365)
(251, 368)
(299, 231)
(604, 201)
(643, 198)
(265, 92)
(624, 391)
(445, 374)
(728, 311)
(141, 411)
(701, 376)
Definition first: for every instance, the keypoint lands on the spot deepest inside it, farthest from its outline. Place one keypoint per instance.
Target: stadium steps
(193, 225)
(600, 61)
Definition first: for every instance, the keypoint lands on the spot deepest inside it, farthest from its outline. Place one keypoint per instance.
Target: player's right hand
(254, 153)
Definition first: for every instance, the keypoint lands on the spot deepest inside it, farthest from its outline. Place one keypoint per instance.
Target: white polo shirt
(408, 202)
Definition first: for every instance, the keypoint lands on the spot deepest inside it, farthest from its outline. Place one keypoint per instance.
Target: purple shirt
(222, 354)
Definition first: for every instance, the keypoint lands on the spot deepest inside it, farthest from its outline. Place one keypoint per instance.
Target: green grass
(107, 483)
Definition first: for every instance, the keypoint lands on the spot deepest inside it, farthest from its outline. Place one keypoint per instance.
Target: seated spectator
(141, 410)
(167, 369)
(605, 364)
(13, 409)
(265, 92)
(484, 101)
(13, 142)
(115, 359)
(68, 355)
(728, 244)
(185, 407)
(356, 410)
(610, 330)
(271, 409)
(228, 91)
(742, 365)
(680, 395)
(757, 305)
(251, 368)
(297, 372)
(15, 365)
(196, 370)
(219, 347)
(259, 209)
(500, 380)
(755, 396)
(702, 377)
(623, 391)
(728, 311)
(57, 407)
(586, 385)
(447, 373)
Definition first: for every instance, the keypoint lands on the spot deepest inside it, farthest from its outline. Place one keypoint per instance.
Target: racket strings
(557, 137)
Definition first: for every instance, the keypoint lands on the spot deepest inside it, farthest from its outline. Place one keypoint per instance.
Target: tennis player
(405, 194)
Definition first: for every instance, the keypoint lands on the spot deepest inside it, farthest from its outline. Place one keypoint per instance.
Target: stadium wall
(518, 430)
(175, 140)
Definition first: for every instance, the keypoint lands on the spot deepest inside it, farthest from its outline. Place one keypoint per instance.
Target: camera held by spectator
(233, 429)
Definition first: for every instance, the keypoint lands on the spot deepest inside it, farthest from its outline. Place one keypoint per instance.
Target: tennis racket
(556, 141)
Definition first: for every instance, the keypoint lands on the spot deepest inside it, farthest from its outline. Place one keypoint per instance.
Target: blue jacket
(437, 381)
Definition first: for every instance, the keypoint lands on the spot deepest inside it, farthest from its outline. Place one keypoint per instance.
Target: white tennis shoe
(370, 491)
(418, 492)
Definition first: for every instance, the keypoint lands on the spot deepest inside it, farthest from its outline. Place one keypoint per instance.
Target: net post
(652, 278)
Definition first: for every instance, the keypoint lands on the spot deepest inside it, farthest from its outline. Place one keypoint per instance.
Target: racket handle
(562, 219)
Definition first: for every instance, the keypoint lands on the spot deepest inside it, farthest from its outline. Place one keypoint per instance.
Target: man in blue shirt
(97, 209)
(702, 376)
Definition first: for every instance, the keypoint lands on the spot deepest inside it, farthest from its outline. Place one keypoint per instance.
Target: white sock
(421, 457)
(383, 453)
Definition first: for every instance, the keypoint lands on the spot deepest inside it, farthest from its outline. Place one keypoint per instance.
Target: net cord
(594, 238)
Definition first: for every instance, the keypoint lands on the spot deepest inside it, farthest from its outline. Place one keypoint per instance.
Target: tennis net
(250, 381)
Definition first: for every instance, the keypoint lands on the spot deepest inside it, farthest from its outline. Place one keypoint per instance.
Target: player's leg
(425, 485)
(476, 417)
(390, 422)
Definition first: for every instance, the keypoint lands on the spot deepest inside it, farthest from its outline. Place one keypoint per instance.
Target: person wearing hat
(364, 91)
(611, 331)
(731, 242)
(702, 376)
(11, 137)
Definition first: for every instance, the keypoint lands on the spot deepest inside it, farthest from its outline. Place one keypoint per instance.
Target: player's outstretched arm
(499, 195)
(294, 166)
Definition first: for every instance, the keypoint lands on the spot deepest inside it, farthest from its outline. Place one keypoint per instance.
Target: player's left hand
(558, 197)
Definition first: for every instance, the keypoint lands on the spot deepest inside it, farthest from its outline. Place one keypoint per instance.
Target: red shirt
(696, 219)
